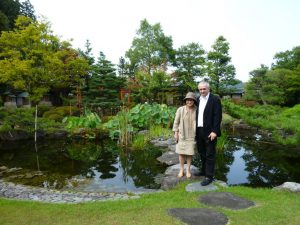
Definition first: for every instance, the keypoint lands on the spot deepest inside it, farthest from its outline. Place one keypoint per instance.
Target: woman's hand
(176, 136)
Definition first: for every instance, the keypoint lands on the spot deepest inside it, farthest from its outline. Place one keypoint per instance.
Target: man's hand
(212, 136)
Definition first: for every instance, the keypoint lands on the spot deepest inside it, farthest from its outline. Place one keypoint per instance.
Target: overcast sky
(255, 29)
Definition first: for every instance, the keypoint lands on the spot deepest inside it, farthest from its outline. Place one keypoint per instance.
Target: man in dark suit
(208, 120)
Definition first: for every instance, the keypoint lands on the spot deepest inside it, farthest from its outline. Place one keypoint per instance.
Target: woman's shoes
(188, 175)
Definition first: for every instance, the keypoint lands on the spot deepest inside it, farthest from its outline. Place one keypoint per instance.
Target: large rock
(170, 178)
(174, 170)
(160, 142)
(291, 186)
(169, 158)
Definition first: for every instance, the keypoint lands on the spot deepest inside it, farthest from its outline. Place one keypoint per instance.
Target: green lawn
(272, 207)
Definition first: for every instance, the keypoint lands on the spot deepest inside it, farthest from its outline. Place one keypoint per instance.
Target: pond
(248, 159)
(251, 159)
(81, 165)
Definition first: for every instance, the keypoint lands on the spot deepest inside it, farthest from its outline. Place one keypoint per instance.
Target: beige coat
(185, 124)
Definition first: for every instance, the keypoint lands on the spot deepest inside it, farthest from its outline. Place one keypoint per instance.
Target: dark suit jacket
(212, 115)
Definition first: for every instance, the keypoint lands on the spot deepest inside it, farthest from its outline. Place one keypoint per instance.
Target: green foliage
(20, 118)
(3, 113)
(89, 120)
(222, 141)
(190, 63)
(283, 123)
(144, 115)
(58, 113)
(120, 127)
(103, 87)
(42, 109)
(23, 119)
(289, 59)
(34, 60)
(151, 49)
(267, 86)
(158, 131)
(219, 70)
(157, 118)
(85, 152)
(139, 141)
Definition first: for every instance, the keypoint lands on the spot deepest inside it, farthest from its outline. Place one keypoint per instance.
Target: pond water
(251, 159)
(86, 166)
(81, 165)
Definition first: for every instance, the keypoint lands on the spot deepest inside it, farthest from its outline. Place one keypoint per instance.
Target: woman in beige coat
(185, 130)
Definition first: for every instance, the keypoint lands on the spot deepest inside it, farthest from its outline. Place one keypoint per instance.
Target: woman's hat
(190, 95)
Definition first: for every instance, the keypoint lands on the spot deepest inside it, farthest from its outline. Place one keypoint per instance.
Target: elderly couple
(197, 125)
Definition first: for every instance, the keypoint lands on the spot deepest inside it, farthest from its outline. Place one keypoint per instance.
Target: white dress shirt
(202, 104)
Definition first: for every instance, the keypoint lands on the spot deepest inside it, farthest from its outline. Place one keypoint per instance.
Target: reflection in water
(237, 173)
(101, 166)
(257, 164)
(90, 166)
(37, 156)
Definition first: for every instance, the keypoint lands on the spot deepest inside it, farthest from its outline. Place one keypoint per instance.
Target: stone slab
(225, 199)
(196, 216)
(196, 186)
(169, 158)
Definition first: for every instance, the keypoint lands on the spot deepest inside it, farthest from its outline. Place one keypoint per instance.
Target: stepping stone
(195, 216)
(169, 158)
(225, 199)
(192, 187)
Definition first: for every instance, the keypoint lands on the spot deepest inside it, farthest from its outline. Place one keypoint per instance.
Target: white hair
(205, 83)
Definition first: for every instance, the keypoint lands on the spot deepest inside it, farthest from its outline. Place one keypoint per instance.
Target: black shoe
(199, 174)
(206, 181)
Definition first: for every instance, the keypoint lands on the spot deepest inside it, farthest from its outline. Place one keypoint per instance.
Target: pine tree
(104, 86)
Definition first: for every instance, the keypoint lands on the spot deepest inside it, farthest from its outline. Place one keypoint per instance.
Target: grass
(272, 207)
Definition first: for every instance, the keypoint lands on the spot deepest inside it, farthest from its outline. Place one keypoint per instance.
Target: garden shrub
(58, 113)
(42, 109)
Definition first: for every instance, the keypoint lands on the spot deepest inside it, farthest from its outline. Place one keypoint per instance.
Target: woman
(185, 130)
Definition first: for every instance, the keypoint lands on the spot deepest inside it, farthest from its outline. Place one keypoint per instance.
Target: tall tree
(104, 85)
(285, 73)
(151, 49)
(190, 63)
(11, 9)
(27, 10)
(289, 59)
(150, 55)
(220, 72)
(253, 88)
(125, 69)
(32, 59)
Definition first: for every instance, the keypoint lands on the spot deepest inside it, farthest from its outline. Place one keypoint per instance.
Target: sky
(255, 29)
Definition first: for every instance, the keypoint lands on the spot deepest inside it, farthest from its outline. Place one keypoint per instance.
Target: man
(208, 121)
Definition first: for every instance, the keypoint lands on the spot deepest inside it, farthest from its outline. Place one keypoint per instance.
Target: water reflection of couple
(197, 125)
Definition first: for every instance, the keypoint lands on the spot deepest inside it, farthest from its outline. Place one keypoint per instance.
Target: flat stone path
(225, 199)
(22, 192)
(198, 216)
(204, 216)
